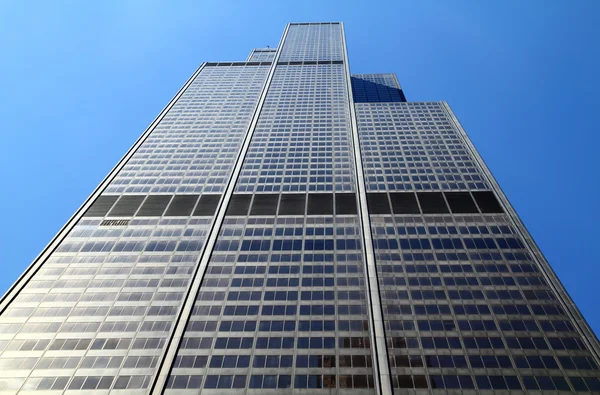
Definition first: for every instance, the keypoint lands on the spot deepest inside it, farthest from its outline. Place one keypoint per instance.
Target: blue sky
(80, 81)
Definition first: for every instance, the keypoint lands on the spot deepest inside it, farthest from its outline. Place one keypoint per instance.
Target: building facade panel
(466, 306)
(194, 148)
(282, 306)
(376, 88)
(262, 55)
(302, 140)
(309, 42)
(98, 313)
(414, 147)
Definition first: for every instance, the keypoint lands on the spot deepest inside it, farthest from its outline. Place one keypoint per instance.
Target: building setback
(286, 227)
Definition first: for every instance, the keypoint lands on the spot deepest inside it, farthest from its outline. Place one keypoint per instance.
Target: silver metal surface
(381, 369)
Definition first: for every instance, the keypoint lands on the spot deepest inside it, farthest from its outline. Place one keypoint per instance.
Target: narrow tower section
(466, 304)
(283, 304)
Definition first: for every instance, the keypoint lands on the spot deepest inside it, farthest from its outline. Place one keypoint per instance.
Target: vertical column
(182, 320)
(380, 355)
(283, 303)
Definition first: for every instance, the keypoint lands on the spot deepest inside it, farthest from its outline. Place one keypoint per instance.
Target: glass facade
(262, 55)
(287, 227)
(98, 313)
(376, 88)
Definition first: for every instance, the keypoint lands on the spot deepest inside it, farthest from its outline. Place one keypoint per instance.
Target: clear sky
(81, 80)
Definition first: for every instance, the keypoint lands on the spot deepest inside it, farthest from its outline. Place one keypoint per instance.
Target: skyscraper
(286, 227)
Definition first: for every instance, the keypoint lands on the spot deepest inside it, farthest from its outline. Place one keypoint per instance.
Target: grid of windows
(462, 292)
(98, 313)
(313, 42)
(283, 298)
(414, 146)
(262, 55)
(302, 141)
(461, 295)
(194, 147)
(109, 293)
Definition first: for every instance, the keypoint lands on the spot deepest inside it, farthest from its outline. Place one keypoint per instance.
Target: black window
(461, 202)
(345, 203)
(101, 206)
(378, 203)
(239, 205)
(126, 206)
(182, 205)
(487, 202)
(320, 204)
(207, 205)
(292, 204)
(154, 206)
(432, 203)
(404, 203)
(264, 204)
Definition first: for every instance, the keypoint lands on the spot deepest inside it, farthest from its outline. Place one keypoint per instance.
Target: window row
(476, 309)
(86, 383)
(273, 361)
(293, 295)
(466, 295)
(485, 343)
(460, 256)
(493, 362)
(433, 203)
(282, 310)
(153, 205)
(236, 343)
(270, 381)
(448, 244)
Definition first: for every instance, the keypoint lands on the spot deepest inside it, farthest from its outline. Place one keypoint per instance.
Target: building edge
(565, 299)
(39, 260)
(382, 372)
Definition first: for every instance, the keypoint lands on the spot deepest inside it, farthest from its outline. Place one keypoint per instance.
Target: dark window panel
(320, 204)
(207, 205)
(154, 206)
(345, 203)
(461, 202)
(432, 202)
(487, 202)
(292, 204)
(126, 206)
(264, 204)
(378, 203)
(182, 206)
(404, 203)
(239, 204)
(101, 206)
(366, 91)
